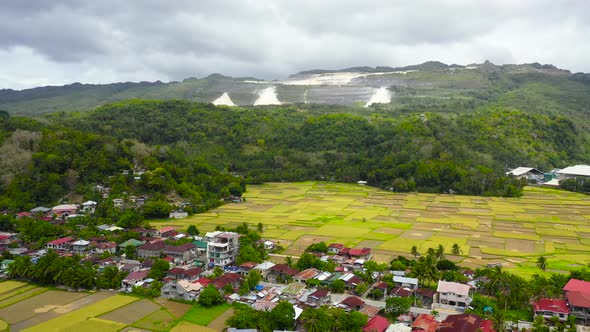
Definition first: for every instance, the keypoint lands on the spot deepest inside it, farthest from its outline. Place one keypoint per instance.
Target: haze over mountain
(360, 86)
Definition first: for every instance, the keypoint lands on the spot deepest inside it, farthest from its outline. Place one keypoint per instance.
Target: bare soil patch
(219, 323)
(177, 309)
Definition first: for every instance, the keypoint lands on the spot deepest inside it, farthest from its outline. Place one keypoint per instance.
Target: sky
(65, 41)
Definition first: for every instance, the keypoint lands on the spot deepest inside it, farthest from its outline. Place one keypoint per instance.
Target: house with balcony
(551, 308)
(222, 248)
(182, 253)
(63, 243)
(453, 295)
(80, 246)
(577, 296)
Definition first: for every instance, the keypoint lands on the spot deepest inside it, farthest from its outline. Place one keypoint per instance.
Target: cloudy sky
(63, 41)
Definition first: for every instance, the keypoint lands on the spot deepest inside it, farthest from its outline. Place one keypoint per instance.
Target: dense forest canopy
(202, 153)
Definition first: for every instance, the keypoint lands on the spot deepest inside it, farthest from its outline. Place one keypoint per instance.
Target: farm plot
(547, 221)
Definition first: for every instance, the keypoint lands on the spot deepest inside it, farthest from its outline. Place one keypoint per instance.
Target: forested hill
(201, 153)
(529, 85)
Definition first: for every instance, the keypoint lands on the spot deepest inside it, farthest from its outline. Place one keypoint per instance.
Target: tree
(361, 288)
(192, 230)
(217, 271)
(376, 293)
(414, 251)
(253, 278)
(456, 250)
(499, 321)
(260, 227)
(130, 251)
(542, 263)
(130, 219)
(539, 325)
(210, 296)
(283, 316)
(338, 286)
(440, 252)
(159, 269)
(289, 261)
(395, 306)
(316, 320)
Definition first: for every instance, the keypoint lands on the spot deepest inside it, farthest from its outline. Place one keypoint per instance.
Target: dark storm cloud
(62, 41)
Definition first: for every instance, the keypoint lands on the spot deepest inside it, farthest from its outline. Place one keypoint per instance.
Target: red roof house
(376, 324)
(425, 323)
(60, 244)
(460, 323)
(487, 326)
(577, 296)
(551, 307)
(227, 279)
(353, 303)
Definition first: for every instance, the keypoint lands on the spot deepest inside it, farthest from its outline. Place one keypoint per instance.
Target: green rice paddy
(512, 231)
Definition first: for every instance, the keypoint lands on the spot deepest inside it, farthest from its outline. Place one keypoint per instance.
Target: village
(199, 262)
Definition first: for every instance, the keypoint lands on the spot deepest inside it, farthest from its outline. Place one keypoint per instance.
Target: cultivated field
(34, 308)
(512, 231)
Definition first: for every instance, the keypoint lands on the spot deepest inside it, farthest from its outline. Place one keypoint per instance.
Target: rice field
(512, 231)
(42, 309)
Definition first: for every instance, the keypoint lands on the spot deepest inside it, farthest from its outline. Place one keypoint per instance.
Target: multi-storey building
(222, 248)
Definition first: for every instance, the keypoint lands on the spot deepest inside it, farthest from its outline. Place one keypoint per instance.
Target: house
(351, 280)
(187, 274)
(245, 268)
(40, 211)
(353, 303)
(335, 248)
(166, 232)
(268, 245)
(369, 310)
(380, 285)
(400, 292)
(89, 206)
(577, 296)
(293, 290)
(264, 267)
(153, 249)
(305, 275)
(573, 172)
(177, 215)
(132, 278)
(80, 246)
(280, 272)
(528, 173)
(364, 253)
(118, 202)
(460, 323)
(60, 244)
(405, 282)
(4, 264)
(231, 278)
(182, 253)
(65, 210)
(102, 247)
(487, 326)
(551, 307)
(222, 248)
(318, 298)
(425, 323)
(453, 295)
(376, 324)
(182, 290)
(425, 296)
(470, 274)
(131, 242)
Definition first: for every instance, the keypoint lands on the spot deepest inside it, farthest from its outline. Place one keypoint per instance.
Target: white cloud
(65, 41)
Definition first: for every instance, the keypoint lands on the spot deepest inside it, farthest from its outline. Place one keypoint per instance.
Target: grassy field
(34, 308)
(512, 231)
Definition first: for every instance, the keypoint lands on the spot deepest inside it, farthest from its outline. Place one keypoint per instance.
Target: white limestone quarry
(381, 96)
(224, 99)
(267, 96)
(340, 78)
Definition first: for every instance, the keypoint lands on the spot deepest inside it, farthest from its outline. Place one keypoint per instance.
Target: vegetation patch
(189, 327)
(132, 312)
(160, 320)
(203, 316)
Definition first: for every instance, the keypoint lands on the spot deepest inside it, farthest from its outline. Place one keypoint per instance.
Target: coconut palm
(499, 321)
(315, 320)
(456, 250)
(440, 252)
(542, 263)
(414, 251)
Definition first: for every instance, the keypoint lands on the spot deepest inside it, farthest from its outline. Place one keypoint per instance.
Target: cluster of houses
(551, 178)
(576, 302)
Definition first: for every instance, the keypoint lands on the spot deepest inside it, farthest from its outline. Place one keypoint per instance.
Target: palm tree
(456, 250)
(542, 263)
(289, 261)
(499, 321)
(425, 269)
(414, 251)
(440, 252)
(315, 320)
(430, 252)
